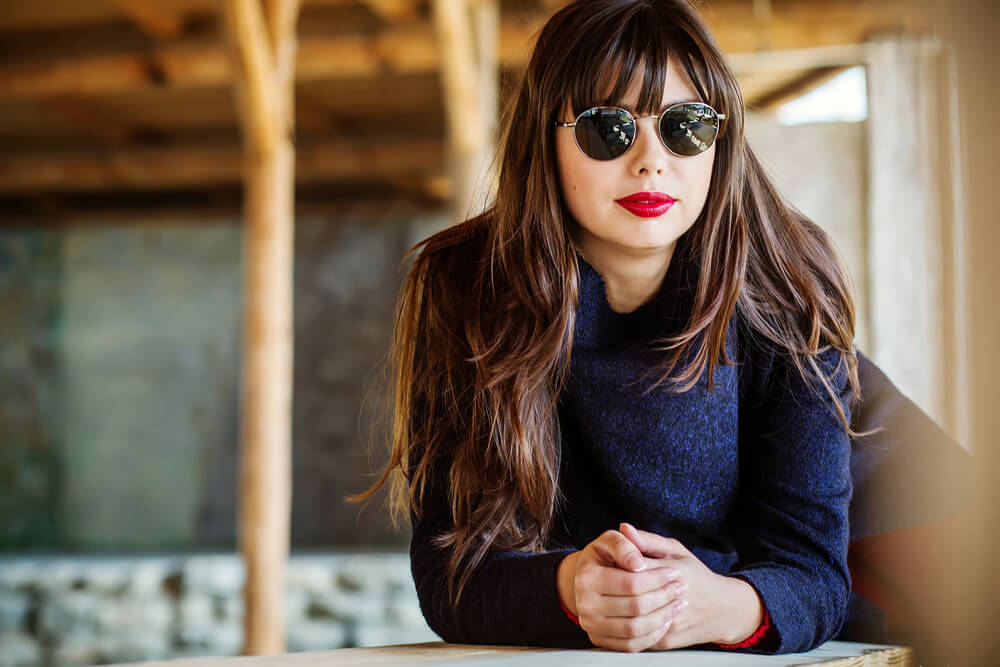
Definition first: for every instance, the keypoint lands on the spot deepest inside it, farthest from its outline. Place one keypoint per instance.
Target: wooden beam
(90, 118)
(414, 48)
(153, 20)
(264, 68)
(769, 100)
(191, 166)
(280, 18)
(460, 78)
(311, 114)
(846, 55)
(464, 84)
(254, 59)
(394, 10)
(30, 14)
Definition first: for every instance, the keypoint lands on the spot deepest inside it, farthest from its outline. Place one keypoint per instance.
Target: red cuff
(756, 639)
(573, 617)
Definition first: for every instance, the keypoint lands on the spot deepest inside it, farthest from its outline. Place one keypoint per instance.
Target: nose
(648, 154)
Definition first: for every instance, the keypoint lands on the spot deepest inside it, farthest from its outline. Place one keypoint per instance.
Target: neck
(631, 276)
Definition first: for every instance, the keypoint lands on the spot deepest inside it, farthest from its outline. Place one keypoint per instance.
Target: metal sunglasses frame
(635, 119)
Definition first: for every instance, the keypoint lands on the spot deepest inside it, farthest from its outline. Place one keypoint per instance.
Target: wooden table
(831, 654)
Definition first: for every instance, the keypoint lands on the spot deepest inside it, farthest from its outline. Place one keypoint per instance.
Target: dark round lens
(605, 133)
(689, 129)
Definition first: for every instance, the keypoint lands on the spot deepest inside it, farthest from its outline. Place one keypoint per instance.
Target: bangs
(620, 45)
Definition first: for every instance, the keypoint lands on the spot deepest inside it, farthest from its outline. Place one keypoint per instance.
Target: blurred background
(123, 250)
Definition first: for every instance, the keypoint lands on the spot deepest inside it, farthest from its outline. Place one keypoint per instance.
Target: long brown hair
(484, 324)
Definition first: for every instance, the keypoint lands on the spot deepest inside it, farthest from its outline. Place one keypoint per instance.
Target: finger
(629, 628)
(612, 581)
(678, 633)
(652, 544)
(630, 644)
(618, 550)
(652, 563)
(640, 605)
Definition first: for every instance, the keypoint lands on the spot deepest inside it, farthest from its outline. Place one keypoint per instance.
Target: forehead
(646, 89)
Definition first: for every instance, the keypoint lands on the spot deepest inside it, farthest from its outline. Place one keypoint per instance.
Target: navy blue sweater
(752, 476)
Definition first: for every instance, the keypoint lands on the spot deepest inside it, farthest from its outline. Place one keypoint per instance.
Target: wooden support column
(263, 40)
(469, 80)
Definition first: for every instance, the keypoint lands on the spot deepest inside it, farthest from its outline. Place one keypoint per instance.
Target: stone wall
(119, 381)
(93, 610)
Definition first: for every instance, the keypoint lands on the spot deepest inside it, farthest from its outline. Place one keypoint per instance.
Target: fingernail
(635, 562)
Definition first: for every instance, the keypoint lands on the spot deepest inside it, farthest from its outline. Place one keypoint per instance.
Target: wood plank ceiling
(117, 102)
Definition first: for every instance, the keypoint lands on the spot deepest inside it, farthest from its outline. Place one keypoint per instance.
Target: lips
(646, 204)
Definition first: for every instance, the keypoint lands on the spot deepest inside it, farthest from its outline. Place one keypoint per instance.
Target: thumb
(619, 551)
(651, 544)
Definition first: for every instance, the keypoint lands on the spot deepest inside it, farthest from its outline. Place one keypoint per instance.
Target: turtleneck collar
(598, 325)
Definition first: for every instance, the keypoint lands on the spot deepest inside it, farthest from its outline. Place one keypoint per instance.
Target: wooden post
(264, 47)
(468, 77)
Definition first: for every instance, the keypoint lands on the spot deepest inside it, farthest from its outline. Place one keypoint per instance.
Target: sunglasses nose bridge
(648, 129)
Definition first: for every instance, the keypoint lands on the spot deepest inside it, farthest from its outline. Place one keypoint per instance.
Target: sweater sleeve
(795, 491)
(511, 597)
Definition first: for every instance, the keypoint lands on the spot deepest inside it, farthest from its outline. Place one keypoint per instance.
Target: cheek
(572, 173)
(702, 174)
(707, 162)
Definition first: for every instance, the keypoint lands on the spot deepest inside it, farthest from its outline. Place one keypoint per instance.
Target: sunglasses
(605, 133)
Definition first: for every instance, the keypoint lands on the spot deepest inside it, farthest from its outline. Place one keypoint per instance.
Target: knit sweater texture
(751, 474)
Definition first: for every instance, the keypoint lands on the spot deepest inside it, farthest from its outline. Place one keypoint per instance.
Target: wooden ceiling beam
(414, 48)
(195, 166)
(151, 18)
(89, 118)
(34, 15)
(394, 10)
(770, 100)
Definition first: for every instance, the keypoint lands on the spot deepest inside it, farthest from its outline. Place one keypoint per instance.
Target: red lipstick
(646, 204)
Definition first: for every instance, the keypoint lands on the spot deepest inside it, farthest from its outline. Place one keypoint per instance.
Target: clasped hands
(633, 590)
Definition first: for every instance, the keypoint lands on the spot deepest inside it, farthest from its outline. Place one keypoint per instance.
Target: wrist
(743, 613)
(565, 581)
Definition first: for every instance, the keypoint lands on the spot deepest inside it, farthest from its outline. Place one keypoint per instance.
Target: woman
(623, 393)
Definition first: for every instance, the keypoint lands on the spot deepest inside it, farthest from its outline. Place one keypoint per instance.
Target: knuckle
(633, 645)
(635, 607)
(632, 629)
